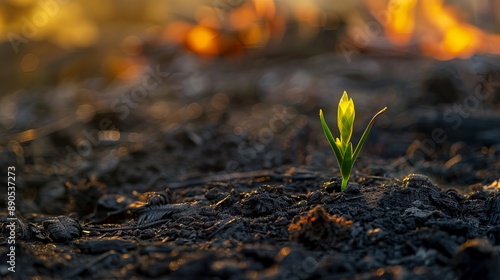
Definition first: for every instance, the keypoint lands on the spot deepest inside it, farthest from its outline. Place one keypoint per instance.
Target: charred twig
(143, 226)
(225, 224)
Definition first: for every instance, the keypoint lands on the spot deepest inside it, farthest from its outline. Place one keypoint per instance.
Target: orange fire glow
(403, 22)
(265, 8)
(435, 27)
(223, 30)
(243, 17)
(202, 40)
(176, 31)
(306, 12)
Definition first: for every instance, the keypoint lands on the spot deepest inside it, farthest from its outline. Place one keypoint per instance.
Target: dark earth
(237, 181)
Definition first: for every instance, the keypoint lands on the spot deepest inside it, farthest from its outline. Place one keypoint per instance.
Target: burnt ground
(246, 187)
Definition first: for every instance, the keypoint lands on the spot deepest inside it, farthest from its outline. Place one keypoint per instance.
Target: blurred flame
(401, 27)
(207, 17)
(224, 32)
(265, 8)
(202, 40)
(435, 27)
(459, 40)
(307, 15)
(176, 31)
(254, 36)
(306, 12)
(243, 17)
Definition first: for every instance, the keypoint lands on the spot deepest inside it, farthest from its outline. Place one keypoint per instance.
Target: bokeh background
(49, 42)
(82, 78)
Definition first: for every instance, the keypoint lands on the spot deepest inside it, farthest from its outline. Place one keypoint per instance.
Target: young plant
(342, 147)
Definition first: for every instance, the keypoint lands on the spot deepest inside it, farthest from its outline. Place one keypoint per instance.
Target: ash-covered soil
(238, 182)
(134, 219)
(285, 224)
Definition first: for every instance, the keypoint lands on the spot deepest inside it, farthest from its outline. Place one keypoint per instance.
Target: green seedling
(342, 147)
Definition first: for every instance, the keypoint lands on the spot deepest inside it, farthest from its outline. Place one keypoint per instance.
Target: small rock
(417, 181)
(334, 185)
(417, 213)
(213, 194)
(314, 197)
(353, 188)
(158, 198)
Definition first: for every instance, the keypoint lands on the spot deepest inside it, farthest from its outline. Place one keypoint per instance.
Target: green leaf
(345, 118)
(330, 138)
(344, 183)
(346, 167)
(341, 146)
(365, 135)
